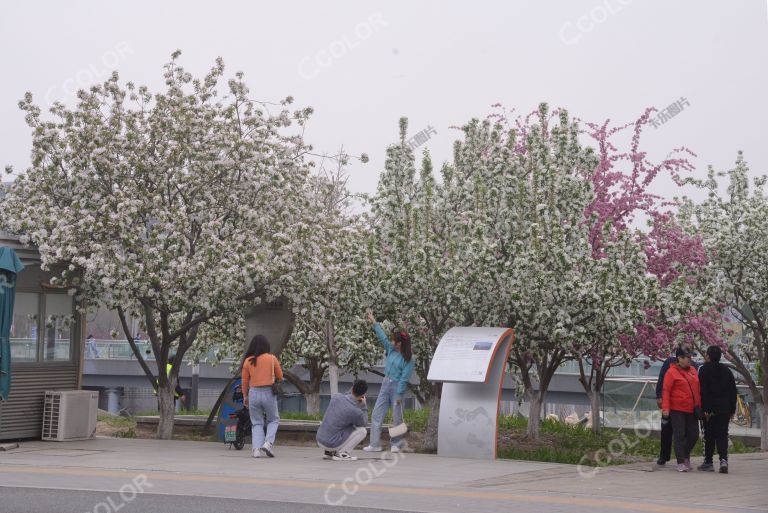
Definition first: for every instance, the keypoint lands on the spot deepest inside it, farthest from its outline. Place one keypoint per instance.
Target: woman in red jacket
(680, 397)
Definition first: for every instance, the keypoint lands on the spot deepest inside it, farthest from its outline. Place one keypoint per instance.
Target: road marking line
(433, 492)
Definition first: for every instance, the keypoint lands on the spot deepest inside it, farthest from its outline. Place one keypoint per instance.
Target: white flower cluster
(502, 241)
(179, 208)
(734, 230)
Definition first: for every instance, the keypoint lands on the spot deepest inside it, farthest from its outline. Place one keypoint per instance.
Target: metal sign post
(471, 363)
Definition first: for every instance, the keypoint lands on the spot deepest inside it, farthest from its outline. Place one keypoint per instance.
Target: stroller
(235, 434)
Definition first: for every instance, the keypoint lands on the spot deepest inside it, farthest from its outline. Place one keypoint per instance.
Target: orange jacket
(681, 390)
(260, 375)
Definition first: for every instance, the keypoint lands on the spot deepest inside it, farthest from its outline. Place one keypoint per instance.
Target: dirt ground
(522, 442)
(108, 429)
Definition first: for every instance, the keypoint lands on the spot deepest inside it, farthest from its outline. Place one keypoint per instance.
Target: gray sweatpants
(357, 436)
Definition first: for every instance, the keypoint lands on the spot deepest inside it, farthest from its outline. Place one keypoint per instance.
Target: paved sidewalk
(406, 482)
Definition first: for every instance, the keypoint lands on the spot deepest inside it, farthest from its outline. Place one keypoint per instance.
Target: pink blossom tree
(673, 311)
(665, 309)
(556, 293)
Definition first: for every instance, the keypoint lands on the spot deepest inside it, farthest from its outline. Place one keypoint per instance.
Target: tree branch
(296, 381)
(135, 349)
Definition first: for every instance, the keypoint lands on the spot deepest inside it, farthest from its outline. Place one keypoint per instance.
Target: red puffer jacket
(681, 390)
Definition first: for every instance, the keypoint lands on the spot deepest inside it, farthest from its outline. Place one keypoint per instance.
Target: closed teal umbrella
(10, 266)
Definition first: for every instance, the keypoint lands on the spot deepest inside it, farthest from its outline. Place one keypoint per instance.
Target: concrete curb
(305, 426)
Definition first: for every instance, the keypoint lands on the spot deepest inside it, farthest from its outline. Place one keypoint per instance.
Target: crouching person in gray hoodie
(343, 425)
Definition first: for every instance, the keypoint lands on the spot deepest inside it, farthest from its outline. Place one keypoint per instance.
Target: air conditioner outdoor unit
(70, 415)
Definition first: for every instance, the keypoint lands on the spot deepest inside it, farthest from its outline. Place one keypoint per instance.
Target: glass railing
(639, 367)
(121, 350)
(25, 350)
(642, 367)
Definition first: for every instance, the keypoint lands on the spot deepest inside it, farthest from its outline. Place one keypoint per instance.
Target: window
(58, 328)
(42, 328)
(24, 328)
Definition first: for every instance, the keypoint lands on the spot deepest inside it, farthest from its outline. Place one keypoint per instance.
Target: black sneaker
(661, 462)
(329, 455)
(723, 466)
(706, 467)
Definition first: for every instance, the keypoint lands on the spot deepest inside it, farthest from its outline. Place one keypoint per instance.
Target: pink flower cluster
(621, 183)
(622, 179)
(669, 251)
(656, 337)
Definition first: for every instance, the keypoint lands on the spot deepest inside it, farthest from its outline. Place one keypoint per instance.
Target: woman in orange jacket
(260, 371)
(681, 396)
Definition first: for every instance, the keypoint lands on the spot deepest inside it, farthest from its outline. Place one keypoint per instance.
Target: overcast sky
(362, 65)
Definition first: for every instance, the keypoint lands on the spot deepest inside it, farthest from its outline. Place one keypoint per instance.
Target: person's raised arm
(383, 338)
(361, 420)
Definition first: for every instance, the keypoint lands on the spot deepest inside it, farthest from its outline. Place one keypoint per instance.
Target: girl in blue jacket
(397, 371)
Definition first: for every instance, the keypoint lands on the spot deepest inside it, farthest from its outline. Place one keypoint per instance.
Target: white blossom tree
(734, 229)
(330, 331)
(502, 241)
(422, 267)
(549, 288)
(180, 208)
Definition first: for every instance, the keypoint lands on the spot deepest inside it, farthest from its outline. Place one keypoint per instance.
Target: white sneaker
(267, 449)
(394, 449)
(344, 456)
(256, 453)
(370, 448)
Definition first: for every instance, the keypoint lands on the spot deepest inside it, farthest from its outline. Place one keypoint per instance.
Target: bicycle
(743, 416)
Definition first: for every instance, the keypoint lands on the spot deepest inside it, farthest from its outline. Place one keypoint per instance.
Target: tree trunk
(757, 394)
(594, 401)
(134, 348)
(429, 444)
(591, 386)
(310, 390)
(167, 409)
(313, 402)
(333, 369)
(333, 377)
(763, 411)
(534, 415)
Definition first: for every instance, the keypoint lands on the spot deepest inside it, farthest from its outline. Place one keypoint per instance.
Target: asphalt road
(42, 500)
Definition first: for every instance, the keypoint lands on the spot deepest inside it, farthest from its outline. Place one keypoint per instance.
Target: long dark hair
(259, 345)
(404, 338)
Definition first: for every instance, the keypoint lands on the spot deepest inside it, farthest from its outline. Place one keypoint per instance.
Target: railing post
(113, 400)
(195, 386)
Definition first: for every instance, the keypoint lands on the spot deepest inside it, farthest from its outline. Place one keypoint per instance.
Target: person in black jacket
(718, 402)
(666, 426)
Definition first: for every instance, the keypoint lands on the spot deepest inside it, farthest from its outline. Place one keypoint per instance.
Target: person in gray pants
(344, 422)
